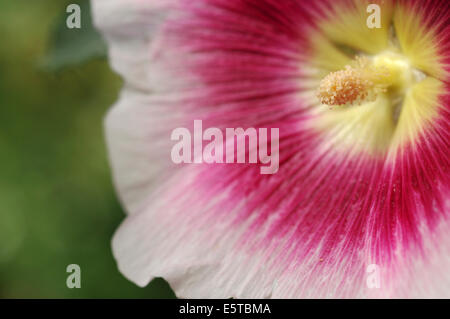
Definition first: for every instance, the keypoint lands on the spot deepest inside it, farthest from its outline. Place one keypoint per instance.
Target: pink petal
(312, 229)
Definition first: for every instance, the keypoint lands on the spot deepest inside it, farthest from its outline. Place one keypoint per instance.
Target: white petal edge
(131, 28)
(138, 130)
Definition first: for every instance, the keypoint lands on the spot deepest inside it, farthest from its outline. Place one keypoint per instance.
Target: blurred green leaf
(57, 202)
(70, 47)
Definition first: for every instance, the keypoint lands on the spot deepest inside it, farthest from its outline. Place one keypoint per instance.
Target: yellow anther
(355, 84)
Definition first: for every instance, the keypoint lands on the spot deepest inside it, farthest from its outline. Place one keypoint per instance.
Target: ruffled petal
(137, 125)
(131, 29)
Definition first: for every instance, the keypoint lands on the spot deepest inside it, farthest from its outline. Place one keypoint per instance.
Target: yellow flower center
(364, 79)
(386, 97)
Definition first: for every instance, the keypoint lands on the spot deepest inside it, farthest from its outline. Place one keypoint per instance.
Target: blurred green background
(57, 203)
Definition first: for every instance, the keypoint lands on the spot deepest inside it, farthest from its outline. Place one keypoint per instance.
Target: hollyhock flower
(363, 116)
